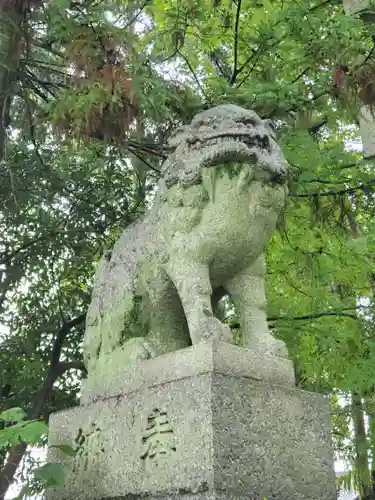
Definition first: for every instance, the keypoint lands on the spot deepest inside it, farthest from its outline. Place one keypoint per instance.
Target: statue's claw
(213, 329)
(137, 349)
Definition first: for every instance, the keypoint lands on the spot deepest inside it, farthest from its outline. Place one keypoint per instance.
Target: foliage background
(89, 93)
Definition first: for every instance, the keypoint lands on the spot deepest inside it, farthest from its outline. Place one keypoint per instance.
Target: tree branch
(136, 16)
(236, 26)
(314, 129)
(303, 73)
(64, 366)
(255, 55)
(314, 316)
(55, 354)
(135, 153)
(151, 148)
(369, 54)
(199, 85)
(361, 187)
(307, 317)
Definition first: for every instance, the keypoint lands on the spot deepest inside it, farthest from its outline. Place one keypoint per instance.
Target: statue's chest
(234, 229)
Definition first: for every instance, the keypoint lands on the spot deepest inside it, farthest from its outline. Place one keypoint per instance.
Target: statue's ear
(271, 127)
(270, 124)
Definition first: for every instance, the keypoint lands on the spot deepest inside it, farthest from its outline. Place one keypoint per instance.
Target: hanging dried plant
(357, 87)
(98, 69)
(9, 6)
(363, 79)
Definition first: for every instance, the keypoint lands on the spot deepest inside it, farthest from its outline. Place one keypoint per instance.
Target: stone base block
(205, 357)
(201, 437)
(352, 7)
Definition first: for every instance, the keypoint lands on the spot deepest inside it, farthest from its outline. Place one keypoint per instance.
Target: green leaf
(29, 432)
(7, 437)
(65, 448)
(32, 431)
(51, 475)
(13, 415)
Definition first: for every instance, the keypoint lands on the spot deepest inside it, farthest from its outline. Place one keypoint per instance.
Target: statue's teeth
(251, 142)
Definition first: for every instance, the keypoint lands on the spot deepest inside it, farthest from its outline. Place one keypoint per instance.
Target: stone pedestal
(355, 6)
(230, 428)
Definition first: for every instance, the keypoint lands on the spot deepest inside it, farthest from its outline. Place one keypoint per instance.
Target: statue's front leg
(248, 294)
(192, 282)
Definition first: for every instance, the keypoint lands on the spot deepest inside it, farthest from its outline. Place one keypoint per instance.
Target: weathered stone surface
(186, 496)
(219, 197)
(204, 436)
(355, 6)
(160, 419)
(367, 128)
(200, 358)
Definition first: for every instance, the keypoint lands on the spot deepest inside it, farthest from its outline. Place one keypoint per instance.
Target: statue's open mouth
(251, 141)
(237, 144)
(241, 146)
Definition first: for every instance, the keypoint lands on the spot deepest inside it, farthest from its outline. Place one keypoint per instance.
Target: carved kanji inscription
(89, 446)
(157, 438)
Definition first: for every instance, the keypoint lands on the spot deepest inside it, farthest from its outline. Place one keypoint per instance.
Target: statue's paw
(138, 349)
(278, 348)
(214, 329)
(269, 346)
(147, 352)
(226, 334)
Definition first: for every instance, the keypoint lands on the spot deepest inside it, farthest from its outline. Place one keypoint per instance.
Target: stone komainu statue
(219, 197)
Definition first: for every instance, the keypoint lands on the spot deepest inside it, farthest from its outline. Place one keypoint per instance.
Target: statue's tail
(93, 339)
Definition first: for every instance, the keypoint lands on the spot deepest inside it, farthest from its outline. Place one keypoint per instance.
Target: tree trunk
(366, 115)
(370, 413)
(12, 16)
(361, 447)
